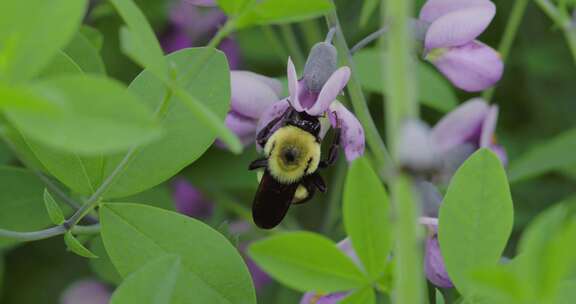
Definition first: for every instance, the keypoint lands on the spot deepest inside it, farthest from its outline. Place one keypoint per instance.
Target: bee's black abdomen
(272, 201)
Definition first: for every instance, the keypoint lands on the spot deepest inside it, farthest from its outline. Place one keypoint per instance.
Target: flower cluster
(452, 27)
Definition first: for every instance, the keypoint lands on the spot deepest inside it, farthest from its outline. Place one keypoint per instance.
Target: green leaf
(475, 218)
(366, 217)
(554, 154)
(21, 208)
(53, 209)
(361, 296)
(23, 100)
(134, 234)
(281, 11)
(75, 246)
(154, 283)
(307, 262)
(88, 115)
(61, 64)
(439, 297)
(368, 9)
(548, 252)
(102, 266)
(83, 52)
(185, 138)
(139, 41)
(32, 31)
(435, 91)
(93, 35)
(567, 292)
(234, 7)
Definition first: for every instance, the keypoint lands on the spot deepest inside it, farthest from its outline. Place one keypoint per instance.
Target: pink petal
(434, 264)
(293, 86)
(250, 94)
(272, 112)
(314, 298)
(86, 292)
(489, 127)
(352, 132)
(460, 125)
(501, 153)
(472, 67)
(434, 9)
(240, 125)
(334, 85)
(459, 27)
(189, 200)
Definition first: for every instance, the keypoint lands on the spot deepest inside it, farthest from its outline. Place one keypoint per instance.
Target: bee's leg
(317, 181)
(258, 164)
(310, 188)
(264, 134)
(334, 147)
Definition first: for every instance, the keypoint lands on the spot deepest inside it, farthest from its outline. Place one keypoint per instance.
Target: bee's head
(292, 153)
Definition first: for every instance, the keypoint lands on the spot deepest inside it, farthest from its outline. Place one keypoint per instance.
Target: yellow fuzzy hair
(293, 138)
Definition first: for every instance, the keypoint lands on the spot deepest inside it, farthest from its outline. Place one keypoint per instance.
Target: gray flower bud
(320, 65)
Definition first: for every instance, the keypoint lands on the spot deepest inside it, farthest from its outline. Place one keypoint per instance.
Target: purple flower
(332, 298)
(315, 93)
(192, 20)
(189, 200)
(433, 260)
(464, 130)
(251, 94)
(449, 42)
(86, 292)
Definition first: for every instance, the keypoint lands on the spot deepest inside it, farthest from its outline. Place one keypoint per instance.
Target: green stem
(47, 233)
(293, 45)
(564, 21)
(381, 156)
(508, 38)
(401, 105)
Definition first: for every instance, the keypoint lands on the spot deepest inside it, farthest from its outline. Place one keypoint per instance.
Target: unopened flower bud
(320, 65)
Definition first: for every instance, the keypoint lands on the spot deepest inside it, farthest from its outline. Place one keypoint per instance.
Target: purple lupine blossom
(189, 200)
(259, 277)
(193, 20)
(86, 292)
(316, 92)
(251, 95)
(450, 42)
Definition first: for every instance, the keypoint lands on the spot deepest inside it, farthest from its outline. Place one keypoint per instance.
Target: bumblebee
(292, 159)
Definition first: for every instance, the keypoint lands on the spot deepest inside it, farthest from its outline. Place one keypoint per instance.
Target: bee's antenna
(330, 35)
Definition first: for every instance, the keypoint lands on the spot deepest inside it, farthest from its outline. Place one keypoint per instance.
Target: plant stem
(381, 156)
(293, 45)
(401, 105)
(508, 38)
(368, 39)
(47, 233)
(564, 21)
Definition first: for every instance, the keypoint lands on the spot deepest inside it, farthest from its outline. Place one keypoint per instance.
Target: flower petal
(232, 51)
(330, 91)
(240, 125)
(250, 95)
(434, 9)
(86, 292)
(489, 127)
(314, 298)
(501, 153)
(459, 27)
(472, 67)
(293, 86)
(273, 111)
(352, 133)
(460, 126)
(174, 38)
(434, 264)
(415, 149)
(189, 200)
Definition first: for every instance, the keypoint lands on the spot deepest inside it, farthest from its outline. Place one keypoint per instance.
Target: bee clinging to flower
(290, 133)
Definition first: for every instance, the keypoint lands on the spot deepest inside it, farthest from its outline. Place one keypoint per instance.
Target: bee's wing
(272, 201)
